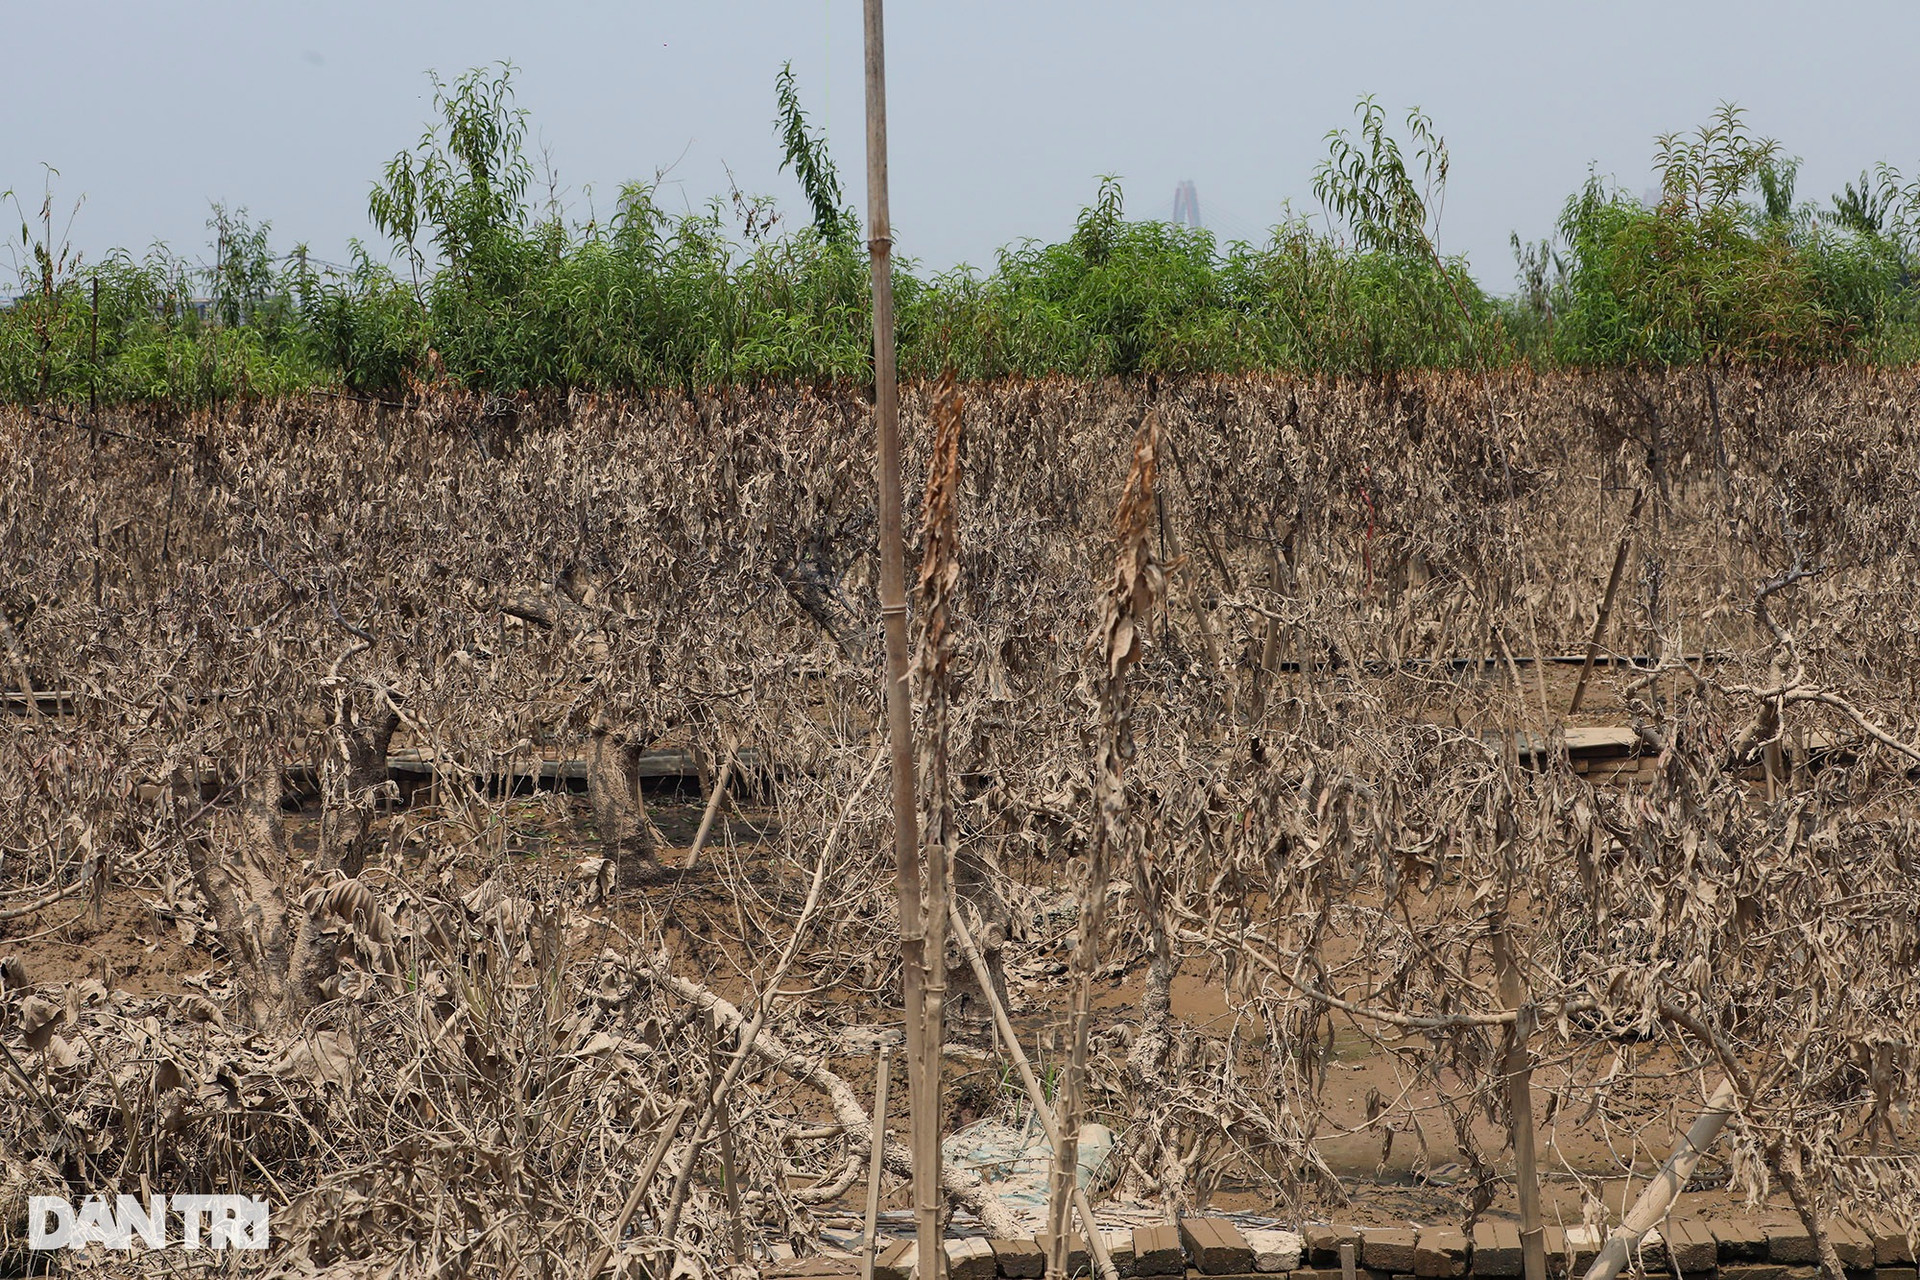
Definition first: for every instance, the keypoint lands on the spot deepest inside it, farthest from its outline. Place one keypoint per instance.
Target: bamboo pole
(714, 802)
(1656, 1202)
(1519, 1077)
(632, 1205)
(1102, 1260)
(1606, 603)
(922, 1078)
(876, 1158)
(729, 1169)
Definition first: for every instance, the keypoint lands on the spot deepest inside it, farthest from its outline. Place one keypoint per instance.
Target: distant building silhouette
(1186, 205)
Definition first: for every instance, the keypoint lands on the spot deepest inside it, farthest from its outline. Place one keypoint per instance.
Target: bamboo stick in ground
(729, 1169)
(1519, 1073)
(1606, 601)
(714, 802)
(632, 1205)
(893, 615)
(1102, 1259)
(1656, 1202)
(876, 1149)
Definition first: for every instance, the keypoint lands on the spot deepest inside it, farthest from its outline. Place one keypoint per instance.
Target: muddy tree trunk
(619, 810)
(241, 865)
(362, 741)
(977, 881)
(277, 925)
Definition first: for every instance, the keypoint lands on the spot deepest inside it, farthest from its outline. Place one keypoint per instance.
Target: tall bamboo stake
(1519, 1074)
(714, 801)
(1606, 603)
(923, 1101)
(875, 1158)
(1656, 1202)
(729, 1168)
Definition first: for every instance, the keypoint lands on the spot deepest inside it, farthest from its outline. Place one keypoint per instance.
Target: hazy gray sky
(1002, 114)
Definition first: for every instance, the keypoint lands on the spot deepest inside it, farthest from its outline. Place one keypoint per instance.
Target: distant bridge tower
(1186, 205)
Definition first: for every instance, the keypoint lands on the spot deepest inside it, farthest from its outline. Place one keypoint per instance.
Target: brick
(1440, 1253)
(1740, 1240)
(1215, 1247)
(1891, 1247)
(1119, 1242)
(1388, 1249)
(969, 1258)
(1323, 1243)
(1788, 1241)
(1019, 1259)
(1496, 1249)
(1854, 1246)
(1079, 1261)
(1896, 1273)
(1580, 1245)
(896, 1261)
(1275, 1250)
(1651, 1253)
(1691, 1245)
(1156, 1252)
(796, 1268)
(1753, 1271)
(1327, 1273)
(1555, 1241)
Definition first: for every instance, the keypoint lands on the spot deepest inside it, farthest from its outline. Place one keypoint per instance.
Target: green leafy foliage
(807, 156)
(497, 295)
(1726, 267)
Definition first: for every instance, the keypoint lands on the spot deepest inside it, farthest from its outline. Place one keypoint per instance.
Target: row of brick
(1774, 1248)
